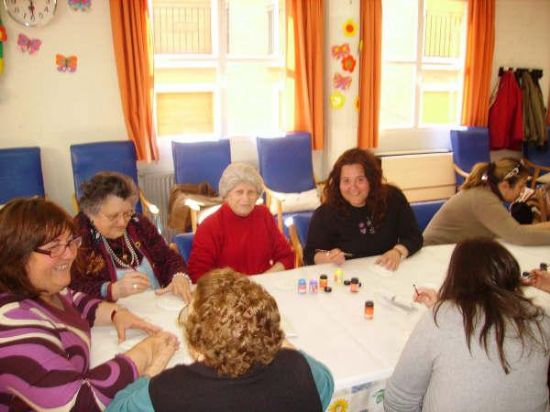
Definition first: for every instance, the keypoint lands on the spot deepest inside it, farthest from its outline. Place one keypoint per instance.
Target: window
(423, 48)
(219, 67)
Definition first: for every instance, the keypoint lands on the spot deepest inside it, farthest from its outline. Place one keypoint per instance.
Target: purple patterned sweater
(45, 356)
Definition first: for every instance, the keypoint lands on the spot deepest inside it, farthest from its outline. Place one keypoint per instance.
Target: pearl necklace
(135, 260)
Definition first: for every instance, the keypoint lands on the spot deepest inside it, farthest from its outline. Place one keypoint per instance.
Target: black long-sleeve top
(352, 233)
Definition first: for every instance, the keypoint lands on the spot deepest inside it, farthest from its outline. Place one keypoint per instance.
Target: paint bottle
(338, 276)
(302, 286)
(313, 286)
(323, 281)
(354, 285)
(369, 309)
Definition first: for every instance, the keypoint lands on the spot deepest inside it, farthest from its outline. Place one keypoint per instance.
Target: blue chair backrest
(184, 242)
(285, 163)
(424, 211)
(20, 173)
(540, 156)
(470, 146)
(201, 162)
(90, 158)
(301, 222)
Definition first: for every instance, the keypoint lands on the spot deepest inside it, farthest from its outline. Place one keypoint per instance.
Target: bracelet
(185, 275)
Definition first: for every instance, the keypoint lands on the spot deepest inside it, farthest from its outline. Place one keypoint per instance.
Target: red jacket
(506, 115)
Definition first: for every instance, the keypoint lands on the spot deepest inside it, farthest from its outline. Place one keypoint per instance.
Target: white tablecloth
(360, 353)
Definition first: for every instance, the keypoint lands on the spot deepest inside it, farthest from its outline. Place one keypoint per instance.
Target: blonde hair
(492, 173)
(233, 322)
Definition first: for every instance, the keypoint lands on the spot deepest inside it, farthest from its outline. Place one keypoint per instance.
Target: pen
(416, 290)
(346, 254)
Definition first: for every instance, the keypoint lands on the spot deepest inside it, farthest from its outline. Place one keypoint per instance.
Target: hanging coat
(506, 115)
(534, 127)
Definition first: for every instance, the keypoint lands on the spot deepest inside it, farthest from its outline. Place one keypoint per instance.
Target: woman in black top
(361, 216)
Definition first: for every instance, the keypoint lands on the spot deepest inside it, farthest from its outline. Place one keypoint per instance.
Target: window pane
(443, 28)
(184, 113)
(439, 108)
(400, 26)
(251, 25)
(397, 100)
(253, 98)
(182, 26)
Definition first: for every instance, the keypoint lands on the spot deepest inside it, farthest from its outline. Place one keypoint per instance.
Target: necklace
(133, 262)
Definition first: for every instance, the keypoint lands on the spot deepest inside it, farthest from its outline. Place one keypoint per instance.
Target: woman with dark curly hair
(233, 331)
(122, 252)
(361, 216)
(483, 346)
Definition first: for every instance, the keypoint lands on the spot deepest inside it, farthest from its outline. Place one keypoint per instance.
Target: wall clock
(31, 12)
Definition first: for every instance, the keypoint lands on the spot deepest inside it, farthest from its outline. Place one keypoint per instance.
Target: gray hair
(237, 173)
(93, 192)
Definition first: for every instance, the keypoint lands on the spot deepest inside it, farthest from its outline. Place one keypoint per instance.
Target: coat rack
(536, 74)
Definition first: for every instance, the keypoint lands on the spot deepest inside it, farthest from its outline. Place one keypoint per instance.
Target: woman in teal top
(242, 361)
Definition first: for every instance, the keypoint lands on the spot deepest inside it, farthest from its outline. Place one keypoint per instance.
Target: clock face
(31, 12)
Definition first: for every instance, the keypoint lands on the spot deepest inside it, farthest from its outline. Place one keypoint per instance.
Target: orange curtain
(133, 46)
(305, 22)
(369, 73)
(479, 61)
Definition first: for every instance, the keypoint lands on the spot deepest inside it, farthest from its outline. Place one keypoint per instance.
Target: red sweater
(250, 244)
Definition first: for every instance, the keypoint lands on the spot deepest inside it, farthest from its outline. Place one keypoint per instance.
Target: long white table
(360, 353)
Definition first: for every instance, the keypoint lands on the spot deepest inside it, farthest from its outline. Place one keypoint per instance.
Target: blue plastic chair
(117, 156)
(470, 146)
(424, 211)
(197, 163)
(20, 173)
(298, 229)
(286, 166)
(184, 242)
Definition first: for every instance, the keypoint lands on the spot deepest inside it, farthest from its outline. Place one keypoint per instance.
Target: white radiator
(425, 176)
(156, 187)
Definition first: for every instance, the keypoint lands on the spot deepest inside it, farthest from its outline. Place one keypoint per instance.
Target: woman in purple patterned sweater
(45, 327)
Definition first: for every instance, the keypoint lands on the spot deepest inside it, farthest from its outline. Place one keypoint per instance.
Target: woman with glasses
(362, 216)
(241, 360)
(478, 208)
(122, 252)
(45, 327)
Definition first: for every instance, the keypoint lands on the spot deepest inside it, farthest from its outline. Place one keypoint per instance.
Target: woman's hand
(124, 319)
(427, 296)
(335, 256)
(539, 279)
(390, 260)
(152, 354)
(129, 284)
(180, 286)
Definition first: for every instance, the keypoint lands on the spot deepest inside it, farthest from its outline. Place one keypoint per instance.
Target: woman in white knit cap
(241, 234)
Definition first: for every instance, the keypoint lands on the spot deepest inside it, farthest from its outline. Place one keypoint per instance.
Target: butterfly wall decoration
(82, 5)
(28, 45)
(341, 82)
(340, 51)
(66, 63)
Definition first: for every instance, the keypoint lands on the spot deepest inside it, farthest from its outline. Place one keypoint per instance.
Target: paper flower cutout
(348, 63)
(3, 34)
(340, 51)
(339, 405)
(337, 100)
(83, 5)
(349, 28)
(341, 82)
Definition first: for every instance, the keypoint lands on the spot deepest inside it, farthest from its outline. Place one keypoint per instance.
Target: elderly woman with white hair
(241, 234)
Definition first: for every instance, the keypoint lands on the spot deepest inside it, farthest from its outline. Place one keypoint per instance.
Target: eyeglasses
(512, 173)
(125, 215)
(58, 250)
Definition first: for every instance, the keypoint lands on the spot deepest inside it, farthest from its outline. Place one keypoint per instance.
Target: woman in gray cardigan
(478, 209)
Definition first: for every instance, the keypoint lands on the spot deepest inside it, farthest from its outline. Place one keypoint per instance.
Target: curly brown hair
(105, 184)
(26, 224)
(233, 322)
(376, 200)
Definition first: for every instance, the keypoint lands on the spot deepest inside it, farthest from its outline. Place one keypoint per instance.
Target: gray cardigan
(436, 372)
(479, 212)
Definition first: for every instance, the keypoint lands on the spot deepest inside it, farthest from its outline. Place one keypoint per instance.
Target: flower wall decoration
(340, 51)
(349, 28)
(348, 63)
(337, 100)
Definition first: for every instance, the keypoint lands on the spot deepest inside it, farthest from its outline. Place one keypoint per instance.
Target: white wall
(40, 106)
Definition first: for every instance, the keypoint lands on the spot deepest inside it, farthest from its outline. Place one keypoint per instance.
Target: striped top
(45, 356)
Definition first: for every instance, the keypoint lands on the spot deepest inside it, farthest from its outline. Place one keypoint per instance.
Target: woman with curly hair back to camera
(233, 332)
(362, 216)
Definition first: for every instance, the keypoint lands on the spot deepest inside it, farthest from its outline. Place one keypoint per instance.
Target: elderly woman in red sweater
(241, 234)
